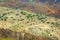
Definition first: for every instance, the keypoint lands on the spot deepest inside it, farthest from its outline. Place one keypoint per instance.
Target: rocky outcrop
(6, 33)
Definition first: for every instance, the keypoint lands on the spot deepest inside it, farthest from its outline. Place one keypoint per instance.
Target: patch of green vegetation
(27, 22)
(41, 17)
(17, 14)
(44, 34)
(5, 18)
(52, 23)
(43, 20)
(50, 34)
(56, 24)
(5, 39)
(11, 12)
(8, 12)
(21, 19)
(48, 31)
(37, 14)
(24, 13)
(0, 16)
(29, 16)
(4, 14)
(48, 22)
(33, 15)
(11, 17)
(40, 28)
(56, 19)
(7, 9)
(14, 19)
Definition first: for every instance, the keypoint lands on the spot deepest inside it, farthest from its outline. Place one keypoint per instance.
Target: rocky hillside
(51, 10)
(25, 22)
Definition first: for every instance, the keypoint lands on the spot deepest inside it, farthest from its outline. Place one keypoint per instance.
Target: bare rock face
(6, 33)
(32, 37)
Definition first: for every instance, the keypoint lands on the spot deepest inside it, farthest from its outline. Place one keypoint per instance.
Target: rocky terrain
(51, 10)
(29, 20)
(20, 22)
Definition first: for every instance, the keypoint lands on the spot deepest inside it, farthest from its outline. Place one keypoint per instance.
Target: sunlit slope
(18, 20)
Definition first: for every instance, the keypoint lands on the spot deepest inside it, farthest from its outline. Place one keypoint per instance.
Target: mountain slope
(51, 10)
(26, 22)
